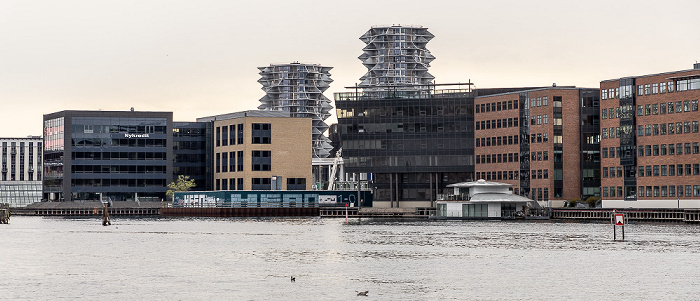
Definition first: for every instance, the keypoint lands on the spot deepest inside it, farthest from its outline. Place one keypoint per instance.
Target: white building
(298, 89)
(396, 58)
(483, 200)
(20, 173)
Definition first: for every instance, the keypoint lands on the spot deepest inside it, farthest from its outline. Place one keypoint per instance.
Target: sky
(200, 58)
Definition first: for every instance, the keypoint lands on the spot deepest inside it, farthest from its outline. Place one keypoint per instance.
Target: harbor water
(253, 259)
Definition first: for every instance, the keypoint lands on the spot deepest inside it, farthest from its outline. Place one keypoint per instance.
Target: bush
(572, 202)
(592, 200)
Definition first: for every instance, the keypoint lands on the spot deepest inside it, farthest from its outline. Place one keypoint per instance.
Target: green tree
(572, 202)
(183, 183)
(592, 200)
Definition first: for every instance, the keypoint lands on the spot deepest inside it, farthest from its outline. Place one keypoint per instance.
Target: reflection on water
(253, 259)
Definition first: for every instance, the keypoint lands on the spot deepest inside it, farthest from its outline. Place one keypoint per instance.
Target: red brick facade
(500, 133)
(666, 118)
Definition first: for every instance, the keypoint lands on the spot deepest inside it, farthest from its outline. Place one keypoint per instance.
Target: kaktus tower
(298, 88)
(397, 57)
(413, 138)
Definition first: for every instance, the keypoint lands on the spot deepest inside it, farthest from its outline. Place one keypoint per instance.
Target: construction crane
(334, 168)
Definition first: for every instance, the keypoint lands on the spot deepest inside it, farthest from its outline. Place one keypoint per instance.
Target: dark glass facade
(117, 155)
(414, 144)
(193, 151)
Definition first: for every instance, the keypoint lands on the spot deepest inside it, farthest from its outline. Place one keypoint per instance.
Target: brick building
(526, 139)
(650, 144)
(261, 150)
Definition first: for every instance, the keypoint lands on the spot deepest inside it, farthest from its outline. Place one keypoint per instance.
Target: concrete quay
(88, 208)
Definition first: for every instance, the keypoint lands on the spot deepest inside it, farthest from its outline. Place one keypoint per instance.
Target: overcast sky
(200, 58)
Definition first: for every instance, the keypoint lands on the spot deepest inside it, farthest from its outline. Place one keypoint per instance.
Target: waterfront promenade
(164, 209)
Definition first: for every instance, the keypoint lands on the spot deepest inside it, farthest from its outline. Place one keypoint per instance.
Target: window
(695, 126)
(663, 149)
(261, 133)
(647, 110)
(672, 170)
(232, 137)
(679, 106)
(662, 108)
(640, 110)
(296, 183)
(240, 133)
(261, 161)
(655, 88)
(662, 87)
(224, 136)
(694, 106)
(261, 184)
(664, 170)
(696, 147)
(240, 161)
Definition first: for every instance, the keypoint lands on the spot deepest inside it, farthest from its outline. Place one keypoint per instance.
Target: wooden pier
(370, 212)
(639, 215)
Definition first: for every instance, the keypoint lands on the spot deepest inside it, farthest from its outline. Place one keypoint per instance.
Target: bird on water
(292, 278)
(363, 293)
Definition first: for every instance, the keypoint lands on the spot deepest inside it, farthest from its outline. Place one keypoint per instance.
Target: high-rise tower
(396, 58)
(298, 88)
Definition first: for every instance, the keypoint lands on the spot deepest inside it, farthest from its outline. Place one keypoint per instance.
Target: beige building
(261, 150)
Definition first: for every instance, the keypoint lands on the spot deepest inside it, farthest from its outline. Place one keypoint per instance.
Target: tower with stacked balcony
(298, 88)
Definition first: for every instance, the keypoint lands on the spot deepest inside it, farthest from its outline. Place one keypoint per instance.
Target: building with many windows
(21, 170)
(113, 155)
(414, 143)
(543, 141)
(650, 140)
(192, 148)
(396, 56)
(261, 150)
(298, 89)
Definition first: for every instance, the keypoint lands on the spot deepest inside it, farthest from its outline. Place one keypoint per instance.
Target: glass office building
(413, 142)
(116, 155)
(193, 149)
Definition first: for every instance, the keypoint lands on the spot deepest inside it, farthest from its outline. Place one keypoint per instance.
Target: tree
(592, 200)
(183, 183)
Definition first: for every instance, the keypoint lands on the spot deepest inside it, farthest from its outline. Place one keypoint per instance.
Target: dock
(634, 215)
(90, 208)
(370, 212)
(240, 212)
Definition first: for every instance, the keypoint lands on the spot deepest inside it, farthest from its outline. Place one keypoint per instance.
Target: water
(253, 259)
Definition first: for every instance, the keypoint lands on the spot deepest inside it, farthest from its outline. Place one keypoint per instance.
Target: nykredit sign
(136, 136)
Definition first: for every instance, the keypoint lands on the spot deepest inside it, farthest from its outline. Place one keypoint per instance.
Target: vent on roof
(696, 66)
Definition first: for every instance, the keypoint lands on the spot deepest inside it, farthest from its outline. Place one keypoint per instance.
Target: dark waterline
(253, 259)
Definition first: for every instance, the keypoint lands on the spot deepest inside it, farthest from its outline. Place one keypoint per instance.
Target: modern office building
(113, 155)
(193, 151)
(411, 137)
(20, 184)
(650, 143)
(396, 56)
(543, 141)
(297, 89)
(261, 150)
(414, 144)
